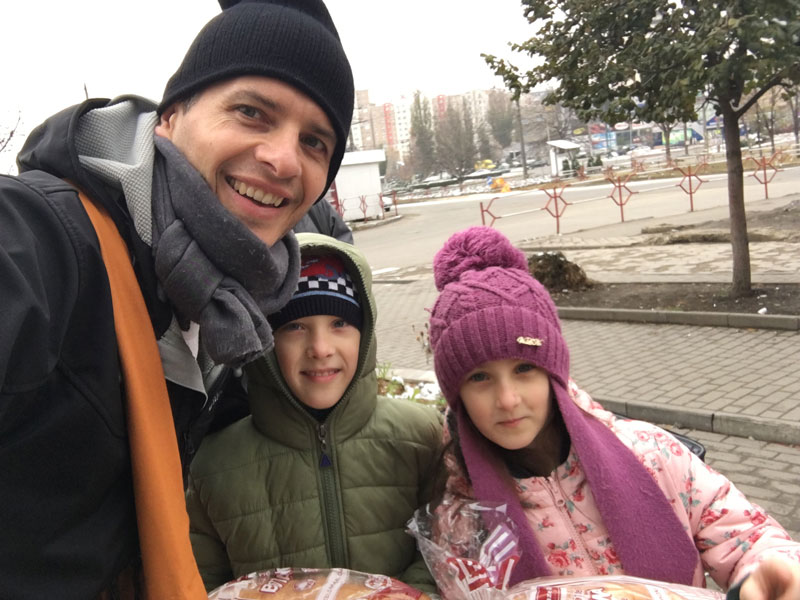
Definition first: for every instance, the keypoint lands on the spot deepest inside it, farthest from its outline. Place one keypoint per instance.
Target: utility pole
(685, 139)
(522, 143)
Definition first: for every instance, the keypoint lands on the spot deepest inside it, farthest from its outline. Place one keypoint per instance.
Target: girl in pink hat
(588, 492)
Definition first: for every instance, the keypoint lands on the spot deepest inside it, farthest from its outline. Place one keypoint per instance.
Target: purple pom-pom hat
(489, 307)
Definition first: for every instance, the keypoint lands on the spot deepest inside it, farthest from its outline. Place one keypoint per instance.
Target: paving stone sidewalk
(723, 379)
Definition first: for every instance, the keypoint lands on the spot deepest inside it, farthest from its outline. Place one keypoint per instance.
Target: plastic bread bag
(315, 584)
(470, 548)
(607, 587)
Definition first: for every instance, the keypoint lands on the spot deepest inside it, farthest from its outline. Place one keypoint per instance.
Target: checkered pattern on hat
(324, 288)
(342, 285)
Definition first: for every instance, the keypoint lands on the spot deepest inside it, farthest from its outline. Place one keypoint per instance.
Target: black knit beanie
(294, 41)
(324, 288)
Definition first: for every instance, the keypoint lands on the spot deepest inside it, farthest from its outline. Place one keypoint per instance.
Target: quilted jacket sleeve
(732, 534)
(209, 551)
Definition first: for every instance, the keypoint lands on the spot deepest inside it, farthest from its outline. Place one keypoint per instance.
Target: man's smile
(254, 193)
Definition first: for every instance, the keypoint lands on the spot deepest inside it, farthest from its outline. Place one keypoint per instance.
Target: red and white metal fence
(765, 169)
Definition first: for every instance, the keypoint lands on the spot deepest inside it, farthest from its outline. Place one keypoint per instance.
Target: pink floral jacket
(732, 535)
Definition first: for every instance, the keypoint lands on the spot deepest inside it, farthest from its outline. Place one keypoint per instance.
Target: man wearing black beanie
(202, 190)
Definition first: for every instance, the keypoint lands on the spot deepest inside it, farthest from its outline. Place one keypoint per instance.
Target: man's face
(262, 146)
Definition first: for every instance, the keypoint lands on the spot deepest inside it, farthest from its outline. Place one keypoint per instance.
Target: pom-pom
(475, 249)
(314, 8)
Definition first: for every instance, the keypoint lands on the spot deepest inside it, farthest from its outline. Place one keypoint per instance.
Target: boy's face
(318, 356)
(262, 146)
(508, 401)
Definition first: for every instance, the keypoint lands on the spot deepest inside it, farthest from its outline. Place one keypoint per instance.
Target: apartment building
(388, 126)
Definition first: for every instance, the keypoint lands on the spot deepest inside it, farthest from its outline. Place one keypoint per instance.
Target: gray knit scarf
(213, 269)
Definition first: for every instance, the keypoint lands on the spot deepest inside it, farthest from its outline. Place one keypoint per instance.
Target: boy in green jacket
(324, 473)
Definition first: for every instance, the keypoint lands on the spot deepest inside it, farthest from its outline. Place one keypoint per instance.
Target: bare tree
(792, 97)
(500, 117)
(771, 120)
(485, 148)
(455, 142)
(5, 138)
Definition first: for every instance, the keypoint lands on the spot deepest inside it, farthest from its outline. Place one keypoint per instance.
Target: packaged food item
(476, 550)
(315, 584)
(607, 587)
(474, 554)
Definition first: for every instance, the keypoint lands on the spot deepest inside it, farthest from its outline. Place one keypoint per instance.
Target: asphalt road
(414, 239)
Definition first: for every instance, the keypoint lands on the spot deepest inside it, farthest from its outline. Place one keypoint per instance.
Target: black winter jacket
(66, 505)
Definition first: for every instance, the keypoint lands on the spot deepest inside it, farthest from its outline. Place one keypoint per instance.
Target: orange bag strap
(170, 570)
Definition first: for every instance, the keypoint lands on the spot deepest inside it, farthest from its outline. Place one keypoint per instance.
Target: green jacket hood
(268, 391)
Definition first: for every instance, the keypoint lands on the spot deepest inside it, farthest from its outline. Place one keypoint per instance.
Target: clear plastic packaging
(315, 584)
(607, 587)
(476, 550)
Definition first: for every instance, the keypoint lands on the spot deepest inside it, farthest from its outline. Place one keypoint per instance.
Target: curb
(747, 426)
(361, 225)
(707, 319)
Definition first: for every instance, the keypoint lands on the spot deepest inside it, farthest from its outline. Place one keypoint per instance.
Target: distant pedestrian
(589, 493)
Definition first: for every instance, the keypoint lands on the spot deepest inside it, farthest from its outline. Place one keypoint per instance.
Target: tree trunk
(591, 145)
(771, 127)
(740, 246)
(795, 117)
(758, 130)
(685, 139)
(668, 136)
(666, 133)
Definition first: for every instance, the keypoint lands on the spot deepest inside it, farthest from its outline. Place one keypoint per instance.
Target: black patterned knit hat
(294, 41)
(324, 288)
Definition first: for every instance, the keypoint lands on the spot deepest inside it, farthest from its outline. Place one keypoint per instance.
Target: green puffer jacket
(260, 494)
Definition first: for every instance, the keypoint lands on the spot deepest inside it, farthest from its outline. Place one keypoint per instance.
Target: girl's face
(508, 401)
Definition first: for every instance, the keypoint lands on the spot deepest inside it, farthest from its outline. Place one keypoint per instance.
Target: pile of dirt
(555, 272)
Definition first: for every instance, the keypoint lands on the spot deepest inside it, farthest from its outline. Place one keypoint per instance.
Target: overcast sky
(52, 48)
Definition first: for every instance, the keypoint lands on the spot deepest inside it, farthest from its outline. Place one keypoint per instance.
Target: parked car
(478, 174)
(437, 177)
